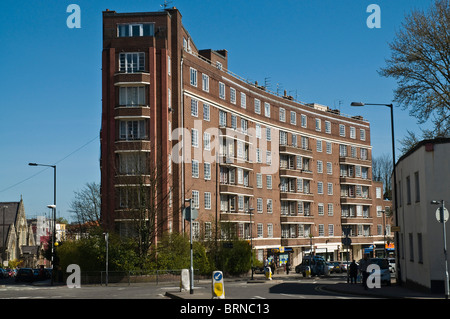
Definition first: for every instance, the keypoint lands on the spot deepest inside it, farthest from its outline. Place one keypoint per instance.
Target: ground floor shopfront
(293, 255)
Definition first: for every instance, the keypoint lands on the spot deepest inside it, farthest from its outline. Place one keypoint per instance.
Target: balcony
(296, 196)
(135, 112)
(236, 189)
(132, 78)
(291, 219)
(293, 150)
(354, 160)
(355, 180)
(345, 199)
(127, 145)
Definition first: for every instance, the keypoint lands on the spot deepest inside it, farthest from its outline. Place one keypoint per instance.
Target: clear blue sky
(320, 51)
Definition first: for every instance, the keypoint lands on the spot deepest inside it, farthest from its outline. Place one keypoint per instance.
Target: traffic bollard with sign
(218, 291)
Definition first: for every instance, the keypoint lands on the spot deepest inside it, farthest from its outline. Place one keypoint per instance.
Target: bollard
(184, 280)
(218, 291)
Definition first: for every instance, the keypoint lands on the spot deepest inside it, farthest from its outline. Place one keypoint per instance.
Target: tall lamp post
(191, 279)
(54, 214)
(4, 242)
(394, 196)
(442, 219)
(250, 211)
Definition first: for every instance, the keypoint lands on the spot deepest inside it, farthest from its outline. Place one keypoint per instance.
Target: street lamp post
(4, 242)
(54, 215)
(249, 211)
(394, 196)
(442, 220)
(191, 281)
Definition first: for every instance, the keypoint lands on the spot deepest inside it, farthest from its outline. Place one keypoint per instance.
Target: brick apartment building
(255, 164)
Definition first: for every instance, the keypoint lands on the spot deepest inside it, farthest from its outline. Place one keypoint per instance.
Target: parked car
(336, 267)
(25, 275)
(3, 273)
(345, 265)
(330, 267)
(316, 264)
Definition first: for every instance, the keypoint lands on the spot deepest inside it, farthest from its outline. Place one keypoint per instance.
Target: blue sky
(319, 51)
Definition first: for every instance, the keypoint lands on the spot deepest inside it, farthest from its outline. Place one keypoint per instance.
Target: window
(257, 106)
(364, 154)
(136, 30)
(268, 134)
(233, 121)
(243, 100)
(194, 169)
(207, 170)
(259, 205)
(330, 230)
(194, 107)
(417, 186)
(328, 127)
(258, 130)
(319, 167)
(269, 230)
(169, 65)
(378, 192)
(233, 95)
(131, 62)
(206, 115)
(283, 138)
(266, 109)
(342, 150)
(330, 188)
(258, 180)
(330, 209)
(132, 95)
(303, 123)
(319, 146)
(269, 181)
(352, 132)
(320, 209)
(319, 187)
(342, 130)
(193, 77)
(132, 163)
(269, 206)
(282, 114)
(318, 125)
(329, 147)
(222, 90)
(321, 230)
(268, 157)
(260, 230)
(195, 200)
(293, 118)
(222, 118)
(408, 191)
(194, 137)
(362, 134)
(132, 130)
(205, 82)
(244, 126)
(207, 141)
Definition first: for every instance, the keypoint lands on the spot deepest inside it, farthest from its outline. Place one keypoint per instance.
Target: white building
(423, 175)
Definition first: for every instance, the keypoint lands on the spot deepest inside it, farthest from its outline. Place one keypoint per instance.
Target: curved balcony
(142, 78)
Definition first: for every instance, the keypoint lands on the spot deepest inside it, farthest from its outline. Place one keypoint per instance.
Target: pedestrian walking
(353, 272)
(363, 264)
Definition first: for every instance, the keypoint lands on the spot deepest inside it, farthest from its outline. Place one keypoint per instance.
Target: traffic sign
(438, 214)
(187, 213)
(218, 290)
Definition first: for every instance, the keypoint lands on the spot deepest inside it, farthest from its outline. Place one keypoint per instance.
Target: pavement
(394, 291)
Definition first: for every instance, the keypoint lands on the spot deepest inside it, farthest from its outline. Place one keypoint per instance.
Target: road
(293, 287)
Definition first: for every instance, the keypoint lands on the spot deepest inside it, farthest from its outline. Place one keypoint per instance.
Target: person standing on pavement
(363, 264)
(353, 272)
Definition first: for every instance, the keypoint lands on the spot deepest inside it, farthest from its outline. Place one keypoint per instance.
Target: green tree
(420, 62)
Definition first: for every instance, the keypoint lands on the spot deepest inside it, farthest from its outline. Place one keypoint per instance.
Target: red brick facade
(311, 174)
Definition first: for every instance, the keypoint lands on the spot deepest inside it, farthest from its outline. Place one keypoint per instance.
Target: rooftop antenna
(279, 87)
(165, 4)
(267, 82)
